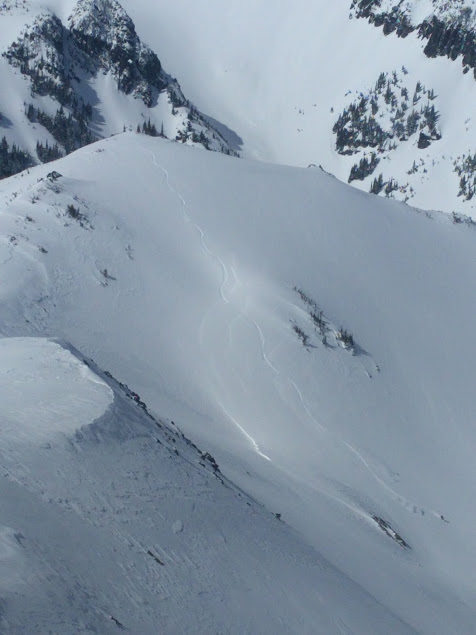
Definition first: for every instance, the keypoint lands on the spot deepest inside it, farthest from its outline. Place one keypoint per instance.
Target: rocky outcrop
(104, 31)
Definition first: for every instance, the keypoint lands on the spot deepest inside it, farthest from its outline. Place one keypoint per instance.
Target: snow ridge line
(198, 228)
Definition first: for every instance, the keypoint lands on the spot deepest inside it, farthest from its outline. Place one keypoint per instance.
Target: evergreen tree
(12, 160)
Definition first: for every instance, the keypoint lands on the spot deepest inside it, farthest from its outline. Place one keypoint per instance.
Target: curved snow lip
(13, 565)
(45, 391)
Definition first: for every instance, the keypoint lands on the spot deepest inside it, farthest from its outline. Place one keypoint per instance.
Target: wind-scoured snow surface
(109, 522)
(194, 277)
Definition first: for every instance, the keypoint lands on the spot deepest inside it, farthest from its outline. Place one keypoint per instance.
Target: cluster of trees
(463, 219)
(70, 131)
(391, 186)
(357, 126)
(12, 159)
(189, 133)
(382, 118)
(345, 337)
(394, 20)
(47, 153)
(197, 136)
(465, 168)
(379, 185)
(356, 129)
(150, 129)
(75, 213)
(364, 168)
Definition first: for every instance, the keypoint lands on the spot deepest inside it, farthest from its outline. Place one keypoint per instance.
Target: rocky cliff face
(104, 31)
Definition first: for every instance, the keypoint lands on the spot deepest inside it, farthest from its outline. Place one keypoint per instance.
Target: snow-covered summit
(104, 30)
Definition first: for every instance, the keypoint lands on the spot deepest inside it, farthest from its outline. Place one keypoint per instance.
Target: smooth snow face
(45, 390)
(176, 272)
(281, 75)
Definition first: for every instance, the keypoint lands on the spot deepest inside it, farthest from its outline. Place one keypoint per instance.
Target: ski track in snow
(9, 257)
(401, 500)
(248, 436)
(404, 502)
(221, 291)
(306, 409)
(263, 349)
(198, 228)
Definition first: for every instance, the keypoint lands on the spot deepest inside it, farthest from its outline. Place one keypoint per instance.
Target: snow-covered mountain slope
(73, 72)
(112, 521)
(317, 341)
(283, 76)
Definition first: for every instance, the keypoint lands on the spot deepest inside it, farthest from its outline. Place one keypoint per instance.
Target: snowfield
(318, 342)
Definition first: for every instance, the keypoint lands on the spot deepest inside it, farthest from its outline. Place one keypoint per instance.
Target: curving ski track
(248, 436)
(198, 228)
(405, 503)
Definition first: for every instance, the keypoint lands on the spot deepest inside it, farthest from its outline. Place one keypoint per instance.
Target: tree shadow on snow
(5, 122)
(231, 137)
